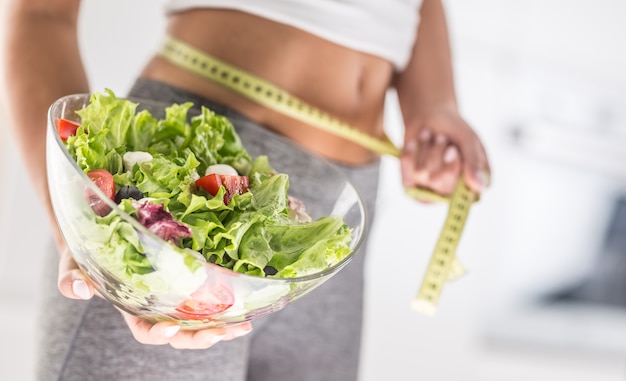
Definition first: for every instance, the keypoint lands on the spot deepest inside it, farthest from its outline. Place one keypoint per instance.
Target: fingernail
(450, 154)
(484, 178)
(210, 339)
(217, 338)
(425, 135)
(171, 331)
(80, 289)
(244, 331)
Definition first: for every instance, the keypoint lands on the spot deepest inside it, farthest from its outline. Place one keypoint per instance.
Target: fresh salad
(190, 181)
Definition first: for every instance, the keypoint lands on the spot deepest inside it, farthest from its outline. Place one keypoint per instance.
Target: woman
(336, 56)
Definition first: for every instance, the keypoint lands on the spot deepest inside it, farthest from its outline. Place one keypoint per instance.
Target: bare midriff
(347, 84)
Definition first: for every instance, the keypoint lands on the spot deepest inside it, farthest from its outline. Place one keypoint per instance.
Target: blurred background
(543, 83)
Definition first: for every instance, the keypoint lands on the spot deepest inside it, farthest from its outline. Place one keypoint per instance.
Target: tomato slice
(232, 184)
(210, 183)
(103, 180)
(66, 128)
(206, 302)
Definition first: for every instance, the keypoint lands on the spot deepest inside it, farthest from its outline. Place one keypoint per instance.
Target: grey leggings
(316, 338)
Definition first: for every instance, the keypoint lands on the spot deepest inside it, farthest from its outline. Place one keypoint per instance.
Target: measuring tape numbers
(267, 94)
(443, 264)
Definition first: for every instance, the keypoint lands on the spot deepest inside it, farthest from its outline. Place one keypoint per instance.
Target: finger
(170, 333)
(147, 333)
(425, 162)
(414, 135)
(414, 143)
(433, 159)
(407, 168)
(417, 171)
(201, 339)
(238, 330)
(444, 180)
(206, 338)
(71, 282)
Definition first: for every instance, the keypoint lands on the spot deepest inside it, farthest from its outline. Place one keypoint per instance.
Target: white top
(385, 28)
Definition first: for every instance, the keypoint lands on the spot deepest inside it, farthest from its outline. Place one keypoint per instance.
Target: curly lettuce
(255, 233)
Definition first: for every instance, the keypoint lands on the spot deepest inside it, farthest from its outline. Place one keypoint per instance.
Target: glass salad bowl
(189, 278)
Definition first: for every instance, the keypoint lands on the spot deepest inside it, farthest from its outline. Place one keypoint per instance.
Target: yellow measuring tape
(443, 264)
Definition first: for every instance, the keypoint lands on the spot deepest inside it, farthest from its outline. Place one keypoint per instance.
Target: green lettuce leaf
(253, 232)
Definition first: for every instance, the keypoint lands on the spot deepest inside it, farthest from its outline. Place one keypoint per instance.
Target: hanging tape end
(423, 307)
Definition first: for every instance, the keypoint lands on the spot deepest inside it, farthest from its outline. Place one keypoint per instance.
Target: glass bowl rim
(143, 230)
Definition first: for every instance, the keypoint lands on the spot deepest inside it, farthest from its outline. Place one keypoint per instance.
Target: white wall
(24, 233)
(22, 238)
(556, 69)
(552, 65)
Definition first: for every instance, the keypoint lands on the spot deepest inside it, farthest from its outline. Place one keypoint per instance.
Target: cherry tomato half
(210, 183)
(103, 180)
(232, 184)
(66, 128)
(206, 302)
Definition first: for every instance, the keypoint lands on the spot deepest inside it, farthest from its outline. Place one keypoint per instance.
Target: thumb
(72, 283)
